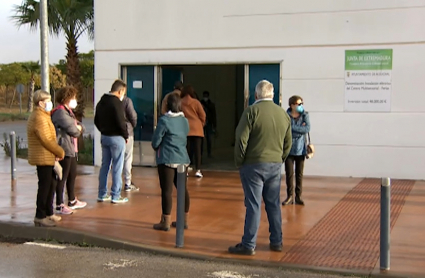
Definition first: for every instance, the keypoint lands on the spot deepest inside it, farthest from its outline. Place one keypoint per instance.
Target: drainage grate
(348, 236)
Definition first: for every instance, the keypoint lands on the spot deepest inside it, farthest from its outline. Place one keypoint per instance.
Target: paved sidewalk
(338, 228)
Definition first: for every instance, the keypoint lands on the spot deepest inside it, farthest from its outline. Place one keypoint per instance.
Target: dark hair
(118, 85)
(174, 103)
(65, 94)
(188, 90)
(294, 99)
(178, 85)
(206, 93)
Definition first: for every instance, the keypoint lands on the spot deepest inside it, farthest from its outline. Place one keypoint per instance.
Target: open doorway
(231, 88)
(225, 84)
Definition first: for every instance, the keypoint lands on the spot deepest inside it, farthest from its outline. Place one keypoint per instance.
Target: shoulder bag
(310, 147)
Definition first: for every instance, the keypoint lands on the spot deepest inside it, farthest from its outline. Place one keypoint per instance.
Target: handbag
(310, 147)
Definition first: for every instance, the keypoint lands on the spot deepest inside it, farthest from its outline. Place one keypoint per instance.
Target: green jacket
(263, 134)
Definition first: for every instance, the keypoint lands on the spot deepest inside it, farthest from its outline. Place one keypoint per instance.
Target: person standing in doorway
(109, 119)
(300, 126)
(211, 124)
(178, 87)
(263, 141)
(131, 122)
(68, 129)
(43, 152)
(195, 114)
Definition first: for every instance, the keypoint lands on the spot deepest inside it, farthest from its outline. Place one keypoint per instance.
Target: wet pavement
(337, 229)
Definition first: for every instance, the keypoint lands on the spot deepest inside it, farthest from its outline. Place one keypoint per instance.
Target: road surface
(20, 128)
(45, 260)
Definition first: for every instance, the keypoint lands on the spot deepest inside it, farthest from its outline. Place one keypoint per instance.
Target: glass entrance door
(142, 89)
(257, 72)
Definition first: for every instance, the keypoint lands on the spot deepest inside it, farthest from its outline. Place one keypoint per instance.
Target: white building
(227, 46)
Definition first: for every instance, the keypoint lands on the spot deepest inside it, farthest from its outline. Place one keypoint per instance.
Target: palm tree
(33, 68)
(72, 18)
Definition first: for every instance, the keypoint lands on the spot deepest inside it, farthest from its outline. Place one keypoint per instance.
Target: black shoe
(299, 201)
(174, 225)
(276, 247)
(288, 201)
(239, 249)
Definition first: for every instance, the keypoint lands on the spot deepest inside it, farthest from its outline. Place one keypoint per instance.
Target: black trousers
(194, 150)
(168, 177)
(208, 132)
(46, 191)
(299, 172)
(69, 170)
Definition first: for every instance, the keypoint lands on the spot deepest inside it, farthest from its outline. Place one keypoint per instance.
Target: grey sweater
(66, 130)
(130, 115)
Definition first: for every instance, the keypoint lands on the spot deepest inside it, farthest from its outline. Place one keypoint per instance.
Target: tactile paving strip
(348, 236)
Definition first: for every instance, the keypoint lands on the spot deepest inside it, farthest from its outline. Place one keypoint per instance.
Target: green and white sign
(368, 80)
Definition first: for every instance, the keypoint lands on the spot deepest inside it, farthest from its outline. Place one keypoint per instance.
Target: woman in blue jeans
(169, 141)
(300, 126)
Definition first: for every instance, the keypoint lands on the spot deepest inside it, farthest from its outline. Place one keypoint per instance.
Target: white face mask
(122, 97)
(73, 104)
(49, 106)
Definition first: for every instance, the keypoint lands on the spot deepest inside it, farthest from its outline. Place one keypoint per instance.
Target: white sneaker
(120, 200)
(199, 174)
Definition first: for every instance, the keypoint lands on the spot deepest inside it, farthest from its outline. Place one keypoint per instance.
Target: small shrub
(85, 155)
(21, 149)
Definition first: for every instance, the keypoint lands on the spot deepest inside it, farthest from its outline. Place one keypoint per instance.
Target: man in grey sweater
(131, 122)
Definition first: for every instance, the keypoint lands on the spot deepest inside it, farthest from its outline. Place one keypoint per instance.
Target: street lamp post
(44, 46)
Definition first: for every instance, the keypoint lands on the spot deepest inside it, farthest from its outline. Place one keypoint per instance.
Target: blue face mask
(300, 109)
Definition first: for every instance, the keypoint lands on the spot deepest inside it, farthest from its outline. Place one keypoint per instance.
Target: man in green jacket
(263, 141)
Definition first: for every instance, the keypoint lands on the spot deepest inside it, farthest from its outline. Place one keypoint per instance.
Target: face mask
(73, 104)
(49, 106)
(205, 98)
(121, 97)
(300, 109)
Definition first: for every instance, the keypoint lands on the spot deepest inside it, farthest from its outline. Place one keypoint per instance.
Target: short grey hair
(40, 95)
(264, 89)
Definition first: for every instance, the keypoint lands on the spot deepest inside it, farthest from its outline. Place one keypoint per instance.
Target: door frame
(122, 71)
(158, 78)
(246, 79)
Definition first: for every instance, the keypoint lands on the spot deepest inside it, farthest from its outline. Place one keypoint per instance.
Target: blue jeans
(262, 180)
(113, 149)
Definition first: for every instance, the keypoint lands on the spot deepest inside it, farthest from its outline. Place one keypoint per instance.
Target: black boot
(299, 201)
(288, 201)
(174, 223)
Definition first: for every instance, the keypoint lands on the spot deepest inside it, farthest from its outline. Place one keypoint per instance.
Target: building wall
(310, 37)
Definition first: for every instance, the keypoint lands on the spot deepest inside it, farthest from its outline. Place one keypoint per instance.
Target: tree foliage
(57, 79)
(69, 17)
(86, 68)
(33, 68)
(13, 74)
